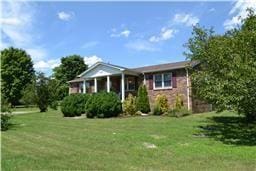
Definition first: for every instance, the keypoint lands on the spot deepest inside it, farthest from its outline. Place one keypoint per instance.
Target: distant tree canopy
(16, 73)
(226, 75)
(70, 67)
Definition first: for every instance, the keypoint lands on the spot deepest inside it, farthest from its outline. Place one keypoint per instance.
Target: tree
(142, 101)
(226, 74)
(54, 91)
(70, 67)
(17, 71)
(42, 92)
(29, 94)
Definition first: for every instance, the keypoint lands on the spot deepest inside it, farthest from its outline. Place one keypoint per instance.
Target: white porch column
(108, 83)
(95, 85)
(123, 87)
(84, 86)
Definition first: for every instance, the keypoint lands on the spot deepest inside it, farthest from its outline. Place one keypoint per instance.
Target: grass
(47, 141)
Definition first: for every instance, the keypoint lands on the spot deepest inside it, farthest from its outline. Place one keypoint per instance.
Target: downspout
(144, 79)
(188, 89)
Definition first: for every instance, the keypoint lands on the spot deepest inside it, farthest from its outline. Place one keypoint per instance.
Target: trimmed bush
(161, 105)
(129, 105)
(179, 112)
(103, 105)
(142, 102)
(74, 105)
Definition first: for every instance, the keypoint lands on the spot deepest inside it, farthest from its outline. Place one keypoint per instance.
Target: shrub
(103, 105)
(129, 105)
(178, 102)
(74, 105)
(161, 105)
(54, 105)
(179, 112)
(5, 121)
(142, 102)
(157, 110)
(5, 115)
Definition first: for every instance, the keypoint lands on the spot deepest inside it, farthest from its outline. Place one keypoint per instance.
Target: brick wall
(181, 88)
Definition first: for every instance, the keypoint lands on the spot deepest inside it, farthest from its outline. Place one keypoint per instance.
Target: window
(162, 81)
(158, 80)
(130, 84)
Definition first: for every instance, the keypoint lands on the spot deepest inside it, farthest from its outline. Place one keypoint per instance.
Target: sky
(129, 34)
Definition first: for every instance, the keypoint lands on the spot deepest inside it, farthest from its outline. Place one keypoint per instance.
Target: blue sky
(129, 34)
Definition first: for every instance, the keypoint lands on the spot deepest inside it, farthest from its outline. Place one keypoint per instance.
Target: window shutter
(174, 80)
(150, 81)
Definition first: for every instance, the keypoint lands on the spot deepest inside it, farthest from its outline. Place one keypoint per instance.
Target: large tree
(42, 92)
(70, 67)
(226, 75)
(16, 72)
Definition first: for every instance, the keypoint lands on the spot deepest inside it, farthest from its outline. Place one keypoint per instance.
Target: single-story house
(169, 79)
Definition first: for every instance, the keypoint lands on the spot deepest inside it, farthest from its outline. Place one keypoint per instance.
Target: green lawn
(47, 141)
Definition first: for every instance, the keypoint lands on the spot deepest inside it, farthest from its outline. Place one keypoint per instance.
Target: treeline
(21, 85)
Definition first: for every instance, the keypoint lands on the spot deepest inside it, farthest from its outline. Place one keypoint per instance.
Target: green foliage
(5, 121)
(54, 91)
(179, 112)
(157, 109)
(16, 72)
(29, 95)
(178, 102)
(129, 105)
(5, 114)
(54, 105)
(103, 105)
(226, 74)
(74, 105)
(161, 105)
(70, 67)
(142, 102)
(42, 92)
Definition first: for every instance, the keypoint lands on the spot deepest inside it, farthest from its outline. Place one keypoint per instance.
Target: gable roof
(102, 63)
(163, 67)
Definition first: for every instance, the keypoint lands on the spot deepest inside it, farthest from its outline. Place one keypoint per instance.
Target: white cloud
(141, 45)
(124, 33)
(10, 21)
(90, 44)
(90, 60)
(65, 16)
(187, 19)
(239, 13)
(165, 34)
(17, 27)
(44, 65)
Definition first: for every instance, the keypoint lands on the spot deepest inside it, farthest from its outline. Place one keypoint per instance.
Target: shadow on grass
(230, 130)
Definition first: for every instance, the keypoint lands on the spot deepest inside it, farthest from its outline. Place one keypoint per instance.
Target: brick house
(169, 79)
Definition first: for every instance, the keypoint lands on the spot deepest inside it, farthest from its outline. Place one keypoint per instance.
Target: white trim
(100, 63)
(162, 87)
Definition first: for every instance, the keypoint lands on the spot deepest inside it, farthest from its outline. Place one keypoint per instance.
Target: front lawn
(47, 141)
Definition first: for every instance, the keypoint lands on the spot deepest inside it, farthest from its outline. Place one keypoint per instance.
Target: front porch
(106, 77)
